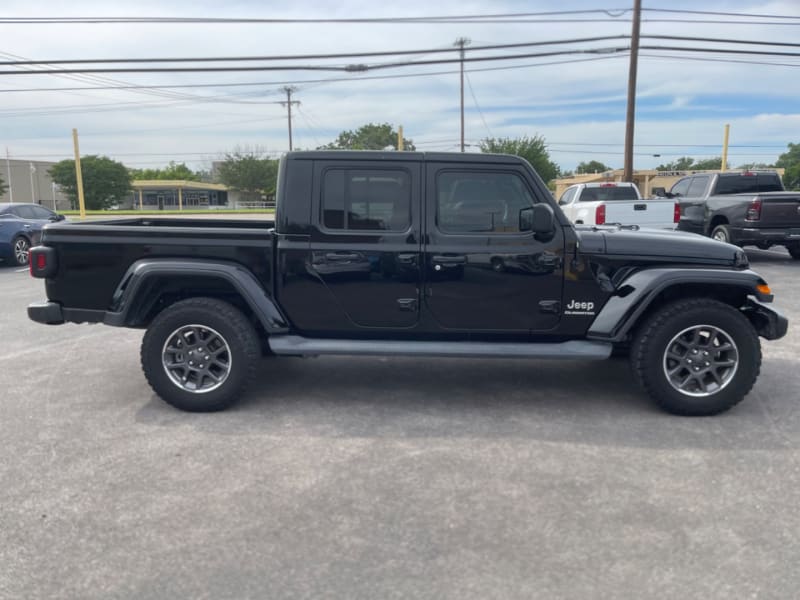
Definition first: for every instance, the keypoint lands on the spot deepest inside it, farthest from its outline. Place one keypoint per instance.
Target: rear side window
(738, 183)
(366, 199)
(604, 194)
(25, 212)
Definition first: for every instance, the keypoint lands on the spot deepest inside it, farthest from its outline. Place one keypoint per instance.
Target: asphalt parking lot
(389, 478)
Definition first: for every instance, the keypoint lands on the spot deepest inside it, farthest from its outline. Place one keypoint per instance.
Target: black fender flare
(132, 289)
(622, 311)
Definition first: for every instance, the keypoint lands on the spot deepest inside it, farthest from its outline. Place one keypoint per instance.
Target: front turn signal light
(764, 289)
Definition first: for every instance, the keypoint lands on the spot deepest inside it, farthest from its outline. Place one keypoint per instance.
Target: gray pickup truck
(746, 208)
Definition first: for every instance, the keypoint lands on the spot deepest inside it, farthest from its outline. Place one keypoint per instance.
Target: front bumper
(768, 321)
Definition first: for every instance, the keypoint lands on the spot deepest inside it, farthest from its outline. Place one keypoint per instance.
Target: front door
(365, 244)
(482, 274)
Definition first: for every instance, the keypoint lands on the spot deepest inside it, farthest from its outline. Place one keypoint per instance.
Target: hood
(660, 245)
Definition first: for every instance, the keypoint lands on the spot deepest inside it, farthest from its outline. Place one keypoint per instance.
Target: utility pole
(460, 43)
(289, 89)
(631, 112)
(400, 146)
(79, 174)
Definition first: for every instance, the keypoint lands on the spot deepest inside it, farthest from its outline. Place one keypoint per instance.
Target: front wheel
(22, 249)
(696, 357)
(794, 251)
(200, 354)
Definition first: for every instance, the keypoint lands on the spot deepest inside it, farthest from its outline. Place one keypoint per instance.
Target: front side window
(41, 212)
(366, 199)
(470, 202)
(682, 187)
(567, 196)
(698, 186)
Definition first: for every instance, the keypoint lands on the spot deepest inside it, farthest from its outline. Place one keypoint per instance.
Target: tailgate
(780, 210)
(645, 213)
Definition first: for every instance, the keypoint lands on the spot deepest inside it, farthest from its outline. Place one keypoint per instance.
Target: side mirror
(540, 219)
(56, 218)
(660, 192)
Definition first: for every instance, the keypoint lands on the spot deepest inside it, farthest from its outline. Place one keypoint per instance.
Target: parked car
(20, 228)
(740, 207)
(618, 203)
(455, 255)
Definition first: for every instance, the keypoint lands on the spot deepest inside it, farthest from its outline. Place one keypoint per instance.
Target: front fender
(131, 293)
(623, 310)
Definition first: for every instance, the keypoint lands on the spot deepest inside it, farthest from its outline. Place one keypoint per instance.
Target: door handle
(341, 256)
(450, 260)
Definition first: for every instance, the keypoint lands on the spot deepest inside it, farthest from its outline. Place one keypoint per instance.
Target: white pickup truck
(617, 202)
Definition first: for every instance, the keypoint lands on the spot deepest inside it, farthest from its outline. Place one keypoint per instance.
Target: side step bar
(293, 345)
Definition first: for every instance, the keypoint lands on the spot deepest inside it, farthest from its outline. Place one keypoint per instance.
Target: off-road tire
(658, 331)
(722, 233)
(223, 319)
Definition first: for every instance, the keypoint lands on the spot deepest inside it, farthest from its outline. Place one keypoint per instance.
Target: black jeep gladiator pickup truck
(746, 208)
(411, 254)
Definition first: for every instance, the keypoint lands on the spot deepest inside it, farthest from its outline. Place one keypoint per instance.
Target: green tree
(754, 165)
(709, 164)
(3, 186)
(687, 163)
(173, 171)
(593, 166)
(684, 163)
(369, 137)
(533, 149)
(249, 172)
(105, 181)
(790, 160)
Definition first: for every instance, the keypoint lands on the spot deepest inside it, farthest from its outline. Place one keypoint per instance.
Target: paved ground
(382, 479)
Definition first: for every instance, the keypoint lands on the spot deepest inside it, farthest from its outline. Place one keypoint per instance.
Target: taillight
(600, 214)
(754, 210)
(676, 213)
(42, 261)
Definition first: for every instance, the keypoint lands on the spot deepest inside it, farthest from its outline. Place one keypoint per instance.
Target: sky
(576, 102)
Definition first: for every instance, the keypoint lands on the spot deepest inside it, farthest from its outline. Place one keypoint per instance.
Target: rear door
(365, 243)
(482, 274)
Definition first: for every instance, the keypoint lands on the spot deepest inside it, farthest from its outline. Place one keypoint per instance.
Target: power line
(29, 62)
(354, 68)
(610, 13)
(319, 81)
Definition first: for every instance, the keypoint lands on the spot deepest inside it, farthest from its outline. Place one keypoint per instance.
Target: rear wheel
(696, 357)
(22, 248)
(721, 233)
(200, 354)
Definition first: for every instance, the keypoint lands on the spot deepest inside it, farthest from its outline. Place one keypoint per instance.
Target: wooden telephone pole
(460, 43)
(631, 112)
(288, 104)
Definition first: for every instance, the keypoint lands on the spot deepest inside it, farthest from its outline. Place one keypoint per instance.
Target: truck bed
(94, 256)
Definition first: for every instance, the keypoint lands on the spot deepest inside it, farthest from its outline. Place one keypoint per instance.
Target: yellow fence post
(78, 174)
